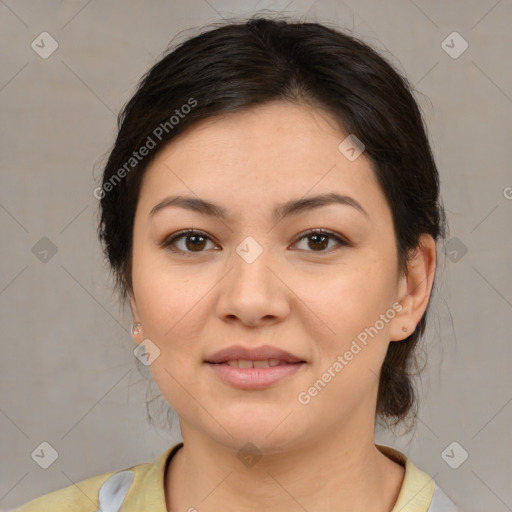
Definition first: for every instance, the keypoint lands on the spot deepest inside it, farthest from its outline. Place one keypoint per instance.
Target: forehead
(278, 131)
(261, 156)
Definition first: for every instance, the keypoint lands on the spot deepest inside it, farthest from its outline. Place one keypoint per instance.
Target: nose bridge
(250, 269)
(252, 291)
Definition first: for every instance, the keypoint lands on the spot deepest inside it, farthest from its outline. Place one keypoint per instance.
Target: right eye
(194, 241)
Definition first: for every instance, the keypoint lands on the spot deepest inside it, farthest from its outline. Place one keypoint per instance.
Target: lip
(253, 378)
(252, 354)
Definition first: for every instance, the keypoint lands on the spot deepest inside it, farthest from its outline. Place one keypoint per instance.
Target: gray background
(68, 374)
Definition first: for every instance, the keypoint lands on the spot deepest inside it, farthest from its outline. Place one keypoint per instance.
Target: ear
(414, 288)
(138, 336)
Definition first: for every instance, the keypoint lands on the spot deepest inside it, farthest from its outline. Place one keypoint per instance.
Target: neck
(339, 473)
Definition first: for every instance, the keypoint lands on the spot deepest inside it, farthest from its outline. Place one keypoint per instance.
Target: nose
(253, 291)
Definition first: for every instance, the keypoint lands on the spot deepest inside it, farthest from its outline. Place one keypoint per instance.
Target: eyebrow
(280, 211)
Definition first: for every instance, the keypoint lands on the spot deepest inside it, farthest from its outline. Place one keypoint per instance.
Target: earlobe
(414, 288)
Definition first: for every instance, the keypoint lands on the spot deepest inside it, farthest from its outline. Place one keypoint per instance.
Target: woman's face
(253, 279)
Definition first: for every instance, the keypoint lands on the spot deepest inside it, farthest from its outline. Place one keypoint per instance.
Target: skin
(298, 295)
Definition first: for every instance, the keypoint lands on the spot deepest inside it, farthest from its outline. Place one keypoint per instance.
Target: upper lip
(237, 352)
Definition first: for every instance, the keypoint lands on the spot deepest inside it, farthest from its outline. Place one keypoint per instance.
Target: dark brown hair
(237, 65)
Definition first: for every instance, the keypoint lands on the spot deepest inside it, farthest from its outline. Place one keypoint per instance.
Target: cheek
(350, 339)
(174, 309)
(352, 296)
(168, 297)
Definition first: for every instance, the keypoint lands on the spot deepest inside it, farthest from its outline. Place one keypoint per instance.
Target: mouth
(253, 367)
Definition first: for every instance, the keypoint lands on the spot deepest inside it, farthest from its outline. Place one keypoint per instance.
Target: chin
(266, 436)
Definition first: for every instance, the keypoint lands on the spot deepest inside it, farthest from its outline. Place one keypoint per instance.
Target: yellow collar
(417, 488)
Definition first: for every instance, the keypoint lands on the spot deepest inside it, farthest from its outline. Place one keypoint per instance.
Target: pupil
(194, 244)
(320, 236)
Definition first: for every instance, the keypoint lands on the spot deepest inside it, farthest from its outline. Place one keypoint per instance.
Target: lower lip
(254, 378)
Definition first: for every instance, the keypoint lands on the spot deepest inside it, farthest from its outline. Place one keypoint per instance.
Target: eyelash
(168, 242)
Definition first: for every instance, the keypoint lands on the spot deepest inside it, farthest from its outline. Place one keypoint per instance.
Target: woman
(271, 209)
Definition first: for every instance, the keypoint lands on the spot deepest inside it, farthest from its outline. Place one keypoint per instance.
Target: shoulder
(125, 487)
(79, 497)
(419, 491)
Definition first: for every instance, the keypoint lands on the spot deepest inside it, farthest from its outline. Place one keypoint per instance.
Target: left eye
(320, 237)
(195, 241)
